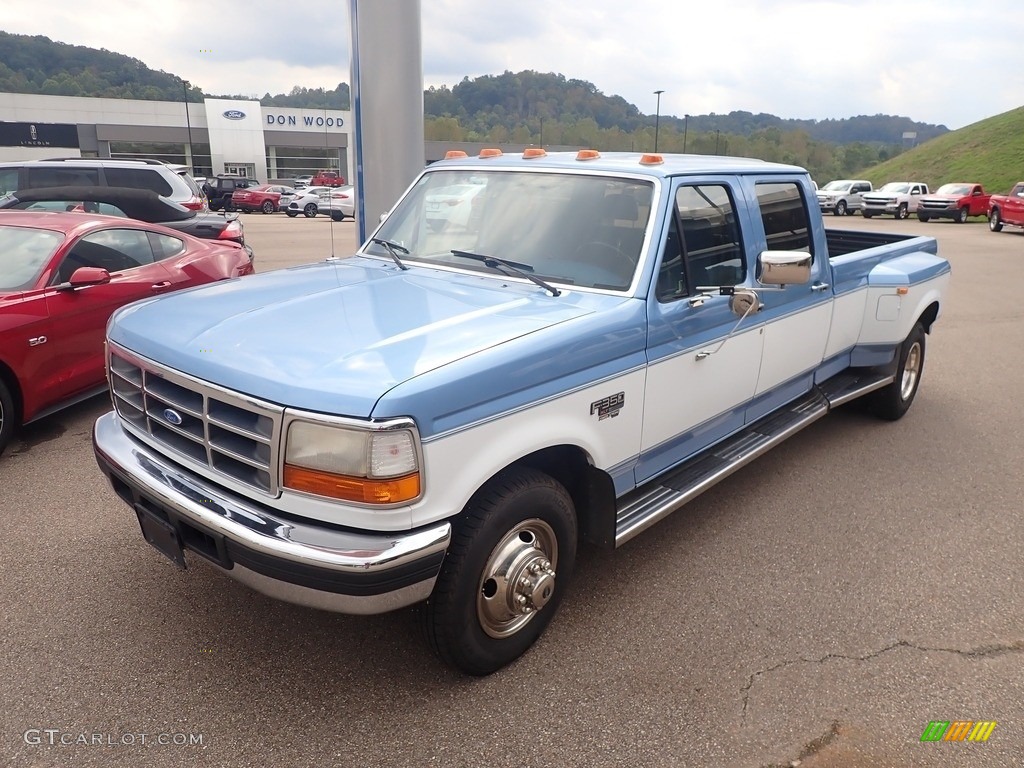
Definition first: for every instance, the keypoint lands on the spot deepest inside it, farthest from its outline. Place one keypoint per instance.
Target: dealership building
(212, 137)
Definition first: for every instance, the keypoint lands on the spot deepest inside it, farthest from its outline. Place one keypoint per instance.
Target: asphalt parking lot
(822, 605)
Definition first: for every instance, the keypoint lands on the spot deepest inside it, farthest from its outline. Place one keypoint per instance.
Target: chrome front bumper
(298, 561)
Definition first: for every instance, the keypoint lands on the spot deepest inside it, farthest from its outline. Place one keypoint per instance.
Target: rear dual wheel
(505, 573)
(894, 400)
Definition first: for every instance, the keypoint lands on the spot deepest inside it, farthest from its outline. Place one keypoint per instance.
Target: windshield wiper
(393, 249)
(514, 267)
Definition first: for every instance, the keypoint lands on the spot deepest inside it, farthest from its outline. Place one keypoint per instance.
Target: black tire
(995, 223)
(840, 209)
(292, 214)
(902, 212)
(268, 206)
(213, 206)
(337, 216)
(484, 612)
(866, 214)
(894, 400)
(8, 419)
(961, 216)
(310, 210)
(922, 216)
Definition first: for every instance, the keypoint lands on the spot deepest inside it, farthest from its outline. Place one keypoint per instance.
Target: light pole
(188, 122)
(686, 124)
(657, 118)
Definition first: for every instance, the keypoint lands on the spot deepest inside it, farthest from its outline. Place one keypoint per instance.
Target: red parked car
(265, 197)
(327, 178)
(1007, 209)
(61, 277)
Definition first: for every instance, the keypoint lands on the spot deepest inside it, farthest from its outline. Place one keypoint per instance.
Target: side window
(138, 178)
(784, 216)
(8, 181)
(712, 250)
(114, 250)
(64, 176)
(165, 246)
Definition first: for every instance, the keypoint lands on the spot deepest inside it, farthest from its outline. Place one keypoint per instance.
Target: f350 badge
(608, 407)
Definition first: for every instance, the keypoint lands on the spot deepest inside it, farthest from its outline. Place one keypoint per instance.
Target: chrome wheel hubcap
(518, 579)
(911, 370)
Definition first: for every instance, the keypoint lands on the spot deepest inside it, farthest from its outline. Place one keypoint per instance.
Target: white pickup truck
(568, 354)
(843, 196)
(896, 198)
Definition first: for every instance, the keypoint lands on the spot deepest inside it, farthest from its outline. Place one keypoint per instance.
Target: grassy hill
(990, 151)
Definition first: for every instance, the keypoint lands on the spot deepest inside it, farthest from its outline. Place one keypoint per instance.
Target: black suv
(218, 190)
(172, 182)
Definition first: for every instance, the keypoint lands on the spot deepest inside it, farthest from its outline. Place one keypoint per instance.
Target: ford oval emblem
(235, 114)
(172, 417)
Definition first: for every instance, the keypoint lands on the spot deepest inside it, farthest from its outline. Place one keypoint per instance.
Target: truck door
(1013, 207)
(698, 380)
(796, 318)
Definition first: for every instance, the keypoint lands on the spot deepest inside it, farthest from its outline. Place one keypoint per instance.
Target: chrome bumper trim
(370, 572)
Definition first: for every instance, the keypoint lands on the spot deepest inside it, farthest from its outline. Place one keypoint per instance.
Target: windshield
(837, 186)
(24, 251)
(573, 229)
(954, 189)
(896, 187)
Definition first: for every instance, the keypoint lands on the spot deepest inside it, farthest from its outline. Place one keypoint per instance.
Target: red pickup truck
(327, 179)
(954, 201)
(1007, 209)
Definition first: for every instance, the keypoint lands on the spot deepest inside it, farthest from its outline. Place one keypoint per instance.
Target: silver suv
(170, 181)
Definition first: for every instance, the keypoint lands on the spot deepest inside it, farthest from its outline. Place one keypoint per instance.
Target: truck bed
(843, 242)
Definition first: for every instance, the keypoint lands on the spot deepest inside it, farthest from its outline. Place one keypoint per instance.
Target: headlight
(360, 465)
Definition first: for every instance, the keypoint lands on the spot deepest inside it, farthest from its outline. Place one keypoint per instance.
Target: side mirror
(784, 267)
(86, 276)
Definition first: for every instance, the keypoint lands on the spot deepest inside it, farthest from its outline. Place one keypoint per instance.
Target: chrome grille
(232, 434)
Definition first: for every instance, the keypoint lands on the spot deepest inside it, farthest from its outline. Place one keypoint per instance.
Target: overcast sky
(935, 61)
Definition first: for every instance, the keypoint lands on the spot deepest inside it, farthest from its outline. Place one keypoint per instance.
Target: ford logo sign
(235, 114)
(172, 417)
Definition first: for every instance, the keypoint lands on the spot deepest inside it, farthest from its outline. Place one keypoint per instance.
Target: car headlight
(360, 465)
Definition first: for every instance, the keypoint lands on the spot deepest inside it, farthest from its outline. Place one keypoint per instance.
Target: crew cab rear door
(796, 318)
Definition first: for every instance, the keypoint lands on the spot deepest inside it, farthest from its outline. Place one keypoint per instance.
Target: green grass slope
(990, 151)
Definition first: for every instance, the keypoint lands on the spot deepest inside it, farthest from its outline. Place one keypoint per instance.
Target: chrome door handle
(161, 286)
(819, 287)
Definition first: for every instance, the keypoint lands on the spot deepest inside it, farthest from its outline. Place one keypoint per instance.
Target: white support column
(387, 104)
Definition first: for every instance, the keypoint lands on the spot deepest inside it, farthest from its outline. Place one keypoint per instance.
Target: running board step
(645, 506)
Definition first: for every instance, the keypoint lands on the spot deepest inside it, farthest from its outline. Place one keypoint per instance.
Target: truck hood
(334, 336)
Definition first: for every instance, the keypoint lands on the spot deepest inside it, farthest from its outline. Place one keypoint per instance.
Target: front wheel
(7, 416)
(961, 216)
(840, 209)
(994, 222)
(337, 216)
(309, 211)
(922, 216)
(268, 206)
(505, 573)
(866, 214)
(894, 400)
(902, 212)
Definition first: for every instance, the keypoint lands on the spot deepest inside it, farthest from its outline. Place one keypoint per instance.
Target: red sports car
(266, 198)
(61, 277)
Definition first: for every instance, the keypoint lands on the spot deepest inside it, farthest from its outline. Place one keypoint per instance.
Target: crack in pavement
(970, 653)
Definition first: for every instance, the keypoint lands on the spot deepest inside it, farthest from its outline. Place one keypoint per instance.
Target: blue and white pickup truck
(529, 352)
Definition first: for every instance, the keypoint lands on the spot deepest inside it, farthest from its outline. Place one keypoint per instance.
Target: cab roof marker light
(588, 154)
(651, 159)
(532, 152)
(484, 153)
(454, 154)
